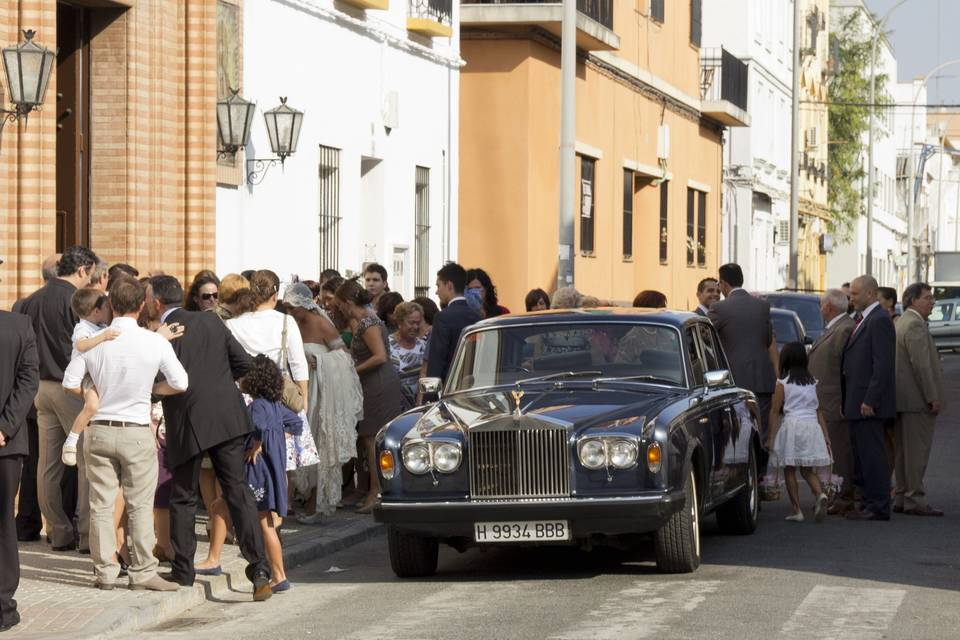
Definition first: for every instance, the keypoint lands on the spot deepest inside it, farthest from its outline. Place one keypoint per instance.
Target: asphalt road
(839, 579)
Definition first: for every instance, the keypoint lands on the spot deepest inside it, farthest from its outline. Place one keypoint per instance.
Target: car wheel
(677, 543)
(739, 514)
(412, 556)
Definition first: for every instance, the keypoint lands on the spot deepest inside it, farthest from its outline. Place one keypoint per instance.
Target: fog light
(387, 465)
(654, 457)
(592, 454)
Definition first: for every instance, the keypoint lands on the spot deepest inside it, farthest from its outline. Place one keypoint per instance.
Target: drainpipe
(568, 133)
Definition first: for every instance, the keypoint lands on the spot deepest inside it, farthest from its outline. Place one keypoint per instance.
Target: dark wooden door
(73, 126)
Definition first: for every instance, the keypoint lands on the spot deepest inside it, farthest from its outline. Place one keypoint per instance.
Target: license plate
(526, 531)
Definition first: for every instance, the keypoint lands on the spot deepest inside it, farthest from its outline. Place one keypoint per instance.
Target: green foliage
(849, 87)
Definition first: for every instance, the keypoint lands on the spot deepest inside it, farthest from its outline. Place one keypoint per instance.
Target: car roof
(774, 311)
(947, 301)
(791, 294)
(598, 314)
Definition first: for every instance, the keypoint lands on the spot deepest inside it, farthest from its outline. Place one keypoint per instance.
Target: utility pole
(794, 280)
(568, 134)
(873, 97)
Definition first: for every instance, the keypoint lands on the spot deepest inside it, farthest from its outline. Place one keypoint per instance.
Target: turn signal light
(654, 457)
(387, 465)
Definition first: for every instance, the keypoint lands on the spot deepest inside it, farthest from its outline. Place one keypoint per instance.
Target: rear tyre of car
(412, 556)
(677, 543)
(739, 515)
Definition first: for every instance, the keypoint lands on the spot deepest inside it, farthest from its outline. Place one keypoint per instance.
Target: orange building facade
(122, 157)
(649, 132)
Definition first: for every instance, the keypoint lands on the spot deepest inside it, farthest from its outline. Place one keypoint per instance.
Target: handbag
(292, 395)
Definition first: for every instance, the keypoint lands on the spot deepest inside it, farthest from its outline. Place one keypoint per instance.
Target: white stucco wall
(340, 75)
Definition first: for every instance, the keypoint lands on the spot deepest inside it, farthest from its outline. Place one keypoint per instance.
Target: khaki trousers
(56, 411)
(122, 457)
(842, 448)
(913, 434)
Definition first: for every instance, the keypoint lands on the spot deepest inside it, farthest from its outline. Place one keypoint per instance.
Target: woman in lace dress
(335, 401)
(379, 379)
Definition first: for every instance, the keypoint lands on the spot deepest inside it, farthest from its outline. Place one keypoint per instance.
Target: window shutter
(657, 11)
(696, 21)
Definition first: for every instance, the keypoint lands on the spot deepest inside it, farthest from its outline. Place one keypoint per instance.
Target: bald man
(869, 395)
(49, 268)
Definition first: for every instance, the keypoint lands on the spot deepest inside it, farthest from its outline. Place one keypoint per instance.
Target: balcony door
(73, 125)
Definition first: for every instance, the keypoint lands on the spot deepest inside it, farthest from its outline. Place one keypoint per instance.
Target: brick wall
(152, 147)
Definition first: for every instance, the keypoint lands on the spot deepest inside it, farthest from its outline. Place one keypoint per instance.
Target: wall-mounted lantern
(234, 117)
(27, 67)
(283, 130)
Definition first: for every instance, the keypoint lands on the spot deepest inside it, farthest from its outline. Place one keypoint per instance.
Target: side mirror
(807, 340)
(429, 388)
(716, 379)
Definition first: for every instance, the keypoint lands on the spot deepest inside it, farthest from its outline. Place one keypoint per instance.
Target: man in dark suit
(746, 333)
(209, 418)
(19, 381)
(451, 321)
(708, 294)
(870, 395)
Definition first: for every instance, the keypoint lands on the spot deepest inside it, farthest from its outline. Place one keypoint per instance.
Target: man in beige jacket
(919, 400)
(826, 356)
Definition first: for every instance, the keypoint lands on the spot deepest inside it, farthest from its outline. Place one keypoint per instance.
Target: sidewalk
(57, 598)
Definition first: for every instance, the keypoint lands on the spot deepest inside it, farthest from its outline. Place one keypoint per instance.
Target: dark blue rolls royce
(576, 427)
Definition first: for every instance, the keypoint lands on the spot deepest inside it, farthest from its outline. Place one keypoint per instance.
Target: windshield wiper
(643, 378)
(561, 374)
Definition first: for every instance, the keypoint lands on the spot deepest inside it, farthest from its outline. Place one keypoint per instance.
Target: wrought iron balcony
(594, 19)
(431, 17)
(724, 87)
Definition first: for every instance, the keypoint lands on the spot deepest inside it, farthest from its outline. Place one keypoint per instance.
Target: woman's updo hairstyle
(351, 291)
(264, 284)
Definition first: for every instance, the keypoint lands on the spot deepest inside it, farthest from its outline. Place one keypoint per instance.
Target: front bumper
(587, 517)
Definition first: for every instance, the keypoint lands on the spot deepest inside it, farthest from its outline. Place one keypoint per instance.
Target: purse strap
(283, 346)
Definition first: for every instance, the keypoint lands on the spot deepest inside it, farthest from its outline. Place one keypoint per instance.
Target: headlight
(592, 454)
(416, 458)
(622, 454)
(446, 457)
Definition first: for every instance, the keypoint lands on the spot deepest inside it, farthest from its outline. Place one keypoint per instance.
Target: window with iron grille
(627, 213)
(696, 22)
(701, 228)
(421, 249)
(587, 203)
(691, 227)
(657, 10)
(664, 210)
(329, 174)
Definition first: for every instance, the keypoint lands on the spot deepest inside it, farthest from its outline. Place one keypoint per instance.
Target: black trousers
(870, 457)
(230, 466)
(764, 400)
(29, 523)
(9, 557)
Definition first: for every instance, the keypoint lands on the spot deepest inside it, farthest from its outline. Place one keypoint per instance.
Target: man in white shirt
(120, 441)
(708, 294)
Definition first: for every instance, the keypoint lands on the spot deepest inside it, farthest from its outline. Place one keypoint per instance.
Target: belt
(118, 423)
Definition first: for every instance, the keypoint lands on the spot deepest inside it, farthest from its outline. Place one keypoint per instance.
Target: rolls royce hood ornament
(517, 396)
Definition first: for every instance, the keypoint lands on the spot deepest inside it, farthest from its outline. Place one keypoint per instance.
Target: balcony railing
(723, 76)
(600, 11)
(436, 10)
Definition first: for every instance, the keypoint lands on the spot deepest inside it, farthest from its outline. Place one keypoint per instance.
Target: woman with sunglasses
(204, 292)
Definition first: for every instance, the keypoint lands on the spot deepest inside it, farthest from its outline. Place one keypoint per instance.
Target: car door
(941, 323)
(723, 420)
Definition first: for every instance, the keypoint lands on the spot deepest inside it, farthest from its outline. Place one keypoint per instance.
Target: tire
(738, 516)
(412, 556)
(677, 543)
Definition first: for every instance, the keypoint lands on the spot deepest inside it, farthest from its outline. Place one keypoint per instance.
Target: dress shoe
(280, 587)
(69, 455)
(923, 511)
(65, 547)
(183, 582)
(10, 620)
(866, 515)
(156, 583)
(210, 571)
(104, 586)
(898, 509)
(28, 537)
(261, 587)
(84, 552)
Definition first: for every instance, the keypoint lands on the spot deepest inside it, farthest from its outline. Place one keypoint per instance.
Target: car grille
(519, 463)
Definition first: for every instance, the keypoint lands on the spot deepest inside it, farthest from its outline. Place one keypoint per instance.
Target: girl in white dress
(800, 439)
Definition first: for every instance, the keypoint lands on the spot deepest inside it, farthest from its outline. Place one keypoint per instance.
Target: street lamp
(234, 117)
(283, 130)
(27, 67)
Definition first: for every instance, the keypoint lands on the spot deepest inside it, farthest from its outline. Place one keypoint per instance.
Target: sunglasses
(209, 296)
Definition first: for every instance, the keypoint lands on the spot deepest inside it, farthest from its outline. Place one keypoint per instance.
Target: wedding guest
(385, 308)
(567, 298)
(650, 299)
(537, 300)
(430, 311)
(328, 274)
(479, 281)
(234, 297)
(375, 282)
(203, 293)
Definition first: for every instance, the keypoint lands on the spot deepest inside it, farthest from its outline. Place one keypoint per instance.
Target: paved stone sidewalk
(57, 598)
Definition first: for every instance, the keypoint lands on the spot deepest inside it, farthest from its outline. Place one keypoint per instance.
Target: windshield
(505, 355)
(808, 309)
(784, 328)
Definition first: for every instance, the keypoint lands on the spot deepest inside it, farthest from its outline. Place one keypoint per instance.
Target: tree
(849, 121)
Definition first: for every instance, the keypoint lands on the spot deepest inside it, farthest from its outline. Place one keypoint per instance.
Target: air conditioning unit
(811, 139)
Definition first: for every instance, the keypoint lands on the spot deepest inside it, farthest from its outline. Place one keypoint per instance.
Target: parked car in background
(805, 305)
(788, 328)
(574, 427)
(945, 290)
(944, 323)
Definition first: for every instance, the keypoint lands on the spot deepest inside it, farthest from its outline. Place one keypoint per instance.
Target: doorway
(73, 125)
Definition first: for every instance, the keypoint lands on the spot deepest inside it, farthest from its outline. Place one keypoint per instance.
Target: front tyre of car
(739, 515)
(412, 556)
(677, 543)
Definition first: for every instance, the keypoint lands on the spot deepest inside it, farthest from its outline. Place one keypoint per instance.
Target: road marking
(645, 610)
(844, 613)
